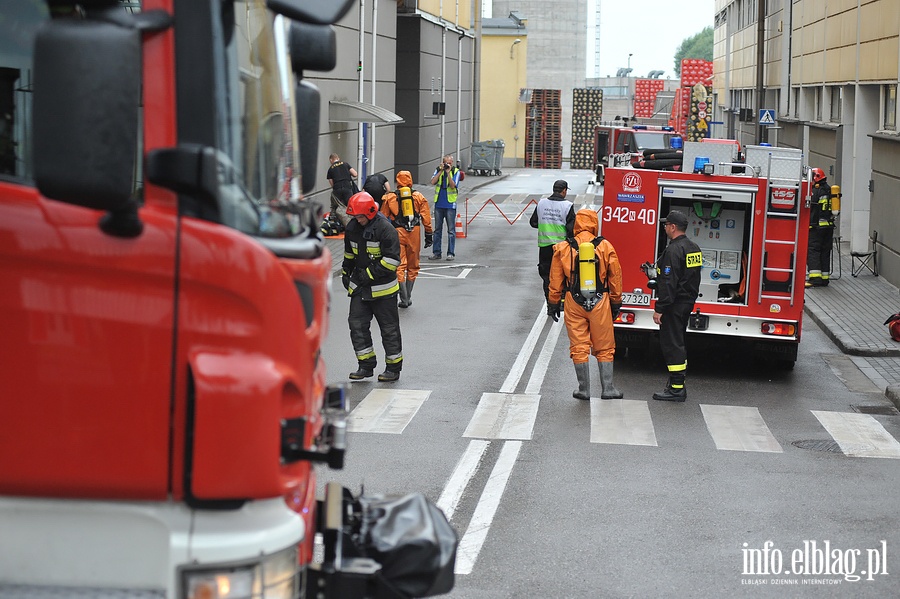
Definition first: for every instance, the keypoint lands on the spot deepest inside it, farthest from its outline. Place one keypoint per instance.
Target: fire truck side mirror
(87, 85)
(312, 47)
(311, 11)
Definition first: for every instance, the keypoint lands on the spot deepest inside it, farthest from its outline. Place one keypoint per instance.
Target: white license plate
(636, 299)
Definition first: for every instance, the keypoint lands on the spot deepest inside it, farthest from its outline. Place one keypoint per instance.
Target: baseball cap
(677, 218)
(560, 185)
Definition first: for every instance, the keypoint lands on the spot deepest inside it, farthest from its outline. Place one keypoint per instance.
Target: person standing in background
(821, 232)
(407, 210)
(446, 189)
(340, 177)
(554, 218)
(377, 185)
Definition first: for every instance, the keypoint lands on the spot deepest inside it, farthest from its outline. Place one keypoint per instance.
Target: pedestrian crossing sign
(766, 116)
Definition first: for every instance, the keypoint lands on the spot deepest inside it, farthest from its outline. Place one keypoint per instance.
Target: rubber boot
(404, 296)
(606, 381)
(389, 376)
(409, 286)
(675, 389)
(583, 372)
(361, 373)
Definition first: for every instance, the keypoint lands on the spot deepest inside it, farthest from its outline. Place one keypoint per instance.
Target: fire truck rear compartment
(720, 223)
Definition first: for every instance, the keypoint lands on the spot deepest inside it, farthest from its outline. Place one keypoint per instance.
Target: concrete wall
(557, 38)
(503, 75)
(886, 205)
(434, 64)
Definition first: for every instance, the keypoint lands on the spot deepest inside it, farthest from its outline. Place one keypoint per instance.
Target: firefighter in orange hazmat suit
(586, 269)
(408, 210)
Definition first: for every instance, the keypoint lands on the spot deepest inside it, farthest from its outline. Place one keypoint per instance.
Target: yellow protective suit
(410, 239)
(590, 331)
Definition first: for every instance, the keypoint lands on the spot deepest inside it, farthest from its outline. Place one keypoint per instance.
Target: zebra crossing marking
(470, 545)
(504, 416)
(859, 435)
(739, 428)
(622, 422)
(386, 411)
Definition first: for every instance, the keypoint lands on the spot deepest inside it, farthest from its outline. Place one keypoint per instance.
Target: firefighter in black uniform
(369, 274)
(678, 284)
(821, 232)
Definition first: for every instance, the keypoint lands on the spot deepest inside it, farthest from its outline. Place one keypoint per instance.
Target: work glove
(615, 308)
(360, 277)
(553, 311)
(429, 239)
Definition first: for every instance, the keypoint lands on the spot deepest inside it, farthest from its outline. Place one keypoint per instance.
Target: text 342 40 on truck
(164, 295)
(750, 219)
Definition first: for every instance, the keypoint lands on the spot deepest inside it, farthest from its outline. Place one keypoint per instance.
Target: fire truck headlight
(276, 576)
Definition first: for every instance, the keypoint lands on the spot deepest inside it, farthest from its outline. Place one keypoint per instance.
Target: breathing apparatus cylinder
(406, 205)
(835, 199)
(587, 273)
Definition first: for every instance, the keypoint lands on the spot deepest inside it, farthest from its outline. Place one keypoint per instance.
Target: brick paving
(851, 311)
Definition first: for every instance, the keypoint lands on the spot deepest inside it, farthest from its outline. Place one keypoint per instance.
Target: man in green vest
(446, 189)
(554, 218)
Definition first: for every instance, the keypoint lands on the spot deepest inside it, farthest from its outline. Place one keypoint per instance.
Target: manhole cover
(818, 445)
(879, 410)
(832, 446)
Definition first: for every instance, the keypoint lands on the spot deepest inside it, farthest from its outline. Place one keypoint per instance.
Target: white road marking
(739, 428)
(431, 272)
(622, 422)
(859, 435)
(386, 411)
(504, 416)
(543, 360)
(512, 379)
(472, 541)
(462, 474)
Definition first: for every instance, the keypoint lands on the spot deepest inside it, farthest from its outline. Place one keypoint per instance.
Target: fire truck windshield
(254, 127)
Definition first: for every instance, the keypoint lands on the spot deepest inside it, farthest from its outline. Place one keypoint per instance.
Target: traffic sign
(767, 116)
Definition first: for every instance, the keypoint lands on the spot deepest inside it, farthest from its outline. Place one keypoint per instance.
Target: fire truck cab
(751, 224)
(621, 139)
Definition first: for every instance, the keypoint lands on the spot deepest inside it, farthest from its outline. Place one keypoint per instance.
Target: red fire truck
(750, 220)
(163, 302)
(621, 139)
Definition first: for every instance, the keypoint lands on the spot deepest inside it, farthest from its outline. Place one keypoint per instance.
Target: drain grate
(818, 445)
(878, 410)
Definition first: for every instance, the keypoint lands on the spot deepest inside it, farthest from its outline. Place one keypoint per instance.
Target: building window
(835, 104)
(795, 99)
(890, 107)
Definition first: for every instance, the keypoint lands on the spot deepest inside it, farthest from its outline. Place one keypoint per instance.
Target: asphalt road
(555, 497)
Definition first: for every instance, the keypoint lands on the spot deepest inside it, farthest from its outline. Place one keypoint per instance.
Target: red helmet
(818, 175)
(362, 204)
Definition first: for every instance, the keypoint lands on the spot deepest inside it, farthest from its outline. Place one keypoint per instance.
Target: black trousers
(388, 317)
(671, 334)
(818, 253)
(545, 257)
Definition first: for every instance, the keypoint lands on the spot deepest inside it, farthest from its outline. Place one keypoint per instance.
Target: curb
(846, 344)
(893, 394)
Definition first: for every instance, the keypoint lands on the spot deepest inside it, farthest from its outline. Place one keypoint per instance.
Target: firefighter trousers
(590, 332)
(818, 253)
(671, 335)
(388, 317)
(410, 251)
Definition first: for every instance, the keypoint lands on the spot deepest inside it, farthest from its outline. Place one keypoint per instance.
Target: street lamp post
(629, 60)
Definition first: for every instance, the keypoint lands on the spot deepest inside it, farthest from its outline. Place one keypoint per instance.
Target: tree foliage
(696, 46)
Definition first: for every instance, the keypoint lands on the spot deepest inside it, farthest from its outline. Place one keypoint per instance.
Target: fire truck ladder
(781, 164)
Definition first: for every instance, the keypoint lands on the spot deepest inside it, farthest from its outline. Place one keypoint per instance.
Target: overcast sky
(650, 30)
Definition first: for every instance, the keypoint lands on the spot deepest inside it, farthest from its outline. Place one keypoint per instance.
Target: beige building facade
(829, 71)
